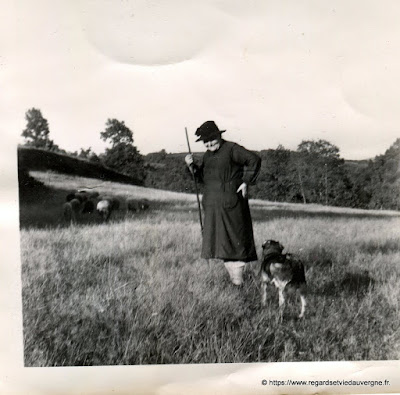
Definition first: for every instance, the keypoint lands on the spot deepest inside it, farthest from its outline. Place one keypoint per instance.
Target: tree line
(121, 155)
(313, 173)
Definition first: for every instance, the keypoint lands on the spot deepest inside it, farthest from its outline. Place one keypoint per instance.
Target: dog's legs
(264, 284)
(281, 303)
(73, 217)
(263, 293)
(281, 298)
(303, 305)
(302, 291)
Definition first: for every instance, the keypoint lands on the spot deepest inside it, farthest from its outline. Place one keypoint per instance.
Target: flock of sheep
(87, 202)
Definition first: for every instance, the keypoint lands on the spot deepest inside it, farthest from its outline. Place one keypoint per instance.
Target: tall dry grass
(135, 292)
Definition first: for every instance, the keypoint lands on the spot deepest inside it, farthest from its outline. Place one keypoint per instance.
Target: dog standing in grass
(282, 270)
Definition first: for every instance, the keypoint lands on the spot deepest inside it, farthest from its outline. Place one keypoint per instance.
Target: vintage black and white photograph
(206, 182)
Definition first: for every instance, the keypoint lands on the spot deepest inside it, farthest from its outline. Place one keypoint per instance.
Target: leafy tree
(156, 157)
(117, 132)
(168, 171)
(384, 183)
(299, 171)
(36, 132)
(93, 157)
(123, 156)
(319, 148)
(275, 181)
(312, 174)
(126, 159)
(321, 173)
(85, 153)
(89, 155)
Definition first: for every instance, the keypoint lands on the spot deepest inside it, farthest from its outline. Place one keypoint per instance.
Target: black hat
(208, 130)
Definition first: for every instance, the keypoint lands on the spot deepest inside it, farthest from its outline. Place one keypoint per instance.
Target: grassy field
(133, 291)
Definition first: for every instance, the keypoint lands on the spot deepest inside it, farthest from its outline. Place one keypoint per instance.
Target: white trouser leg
(235, 270)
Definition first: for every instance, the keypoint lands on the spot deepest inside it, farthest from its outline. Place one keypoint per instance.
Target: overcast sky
(269, 72)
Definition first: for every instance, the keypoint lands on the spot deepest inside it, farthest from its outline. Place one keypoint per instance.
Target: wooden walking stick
(195, 183)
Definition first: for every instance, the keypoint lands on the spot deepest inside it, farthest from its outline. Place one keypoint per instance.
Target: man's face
(213, 145)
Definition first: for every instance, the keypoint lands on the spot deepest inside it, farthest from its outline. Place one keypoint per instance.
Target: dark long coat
(228, 229)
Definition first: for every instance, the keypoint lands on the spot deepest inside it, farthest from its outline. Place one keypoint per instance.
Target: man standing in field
(226, 171)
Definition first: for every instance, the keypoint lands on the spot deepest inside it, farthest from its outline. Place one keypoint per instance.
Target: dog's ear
(281, 247)
(265, 243)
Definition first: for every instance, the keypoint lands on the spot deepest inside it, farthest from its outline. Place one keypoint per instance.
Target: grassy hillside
(44, 160)
(134, 291)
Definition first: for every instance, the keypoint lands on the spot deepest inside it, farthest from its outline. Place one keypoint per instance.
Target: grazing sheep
(104, 209)
(137, 205)
(76, 206)
(70, 196)
(115, 203)
(88, 207)
(71, 210)
(85, 198)
(77, 203)
(81, 196)
(67, 212)
(106, 206)
(90, 194)
(93, 195)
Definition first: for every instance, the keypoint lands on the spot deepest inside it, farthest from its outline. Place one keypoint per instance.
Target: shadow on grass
(349, 283)
(375, 247)
(270, 214)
